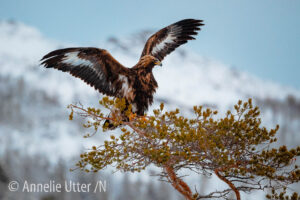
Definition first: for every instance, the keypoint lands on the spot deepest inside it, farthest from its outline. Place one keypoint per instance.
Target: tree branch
(231, 185)
(178, 184)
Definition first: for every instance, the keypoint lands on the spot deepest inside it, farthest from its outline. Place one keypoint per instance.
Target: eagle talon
(131, 116)
(144, 119)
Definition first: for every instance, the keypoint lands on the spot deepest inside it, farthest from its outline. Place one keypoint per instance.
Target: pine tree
(236, 148)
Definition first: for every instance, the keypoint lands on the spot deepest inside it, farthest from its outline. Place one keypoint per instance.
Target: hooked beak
(158, 63)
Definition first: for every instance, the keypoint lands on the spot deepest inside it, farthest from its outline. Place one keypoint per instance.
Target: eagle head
(149, 61)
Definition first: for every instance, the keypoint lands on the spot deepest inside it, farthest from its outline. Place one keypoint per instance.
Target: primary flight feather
(137, 85)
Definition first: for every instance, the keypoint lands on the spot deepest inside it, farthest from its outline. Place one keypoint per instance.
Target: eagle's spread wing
(169, 38)
(94, 66)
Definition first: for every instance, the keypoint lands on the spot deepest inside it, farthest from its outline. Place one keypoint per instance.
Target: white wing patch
(134, 107)
(126, 89)
(73, 59)
(169, 39)
(125, 86)
(172, 35)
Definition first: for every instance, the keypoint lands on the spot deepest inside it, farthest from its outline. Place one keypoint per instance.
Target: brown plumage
(137, 85)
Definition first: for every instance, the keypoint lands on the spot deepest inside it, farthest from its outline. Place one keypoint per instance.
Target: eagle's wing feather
(94, 66)
(169, 38)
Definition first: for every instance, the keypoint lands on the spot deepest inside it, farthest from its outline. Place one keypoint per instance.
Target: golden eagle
(137, 85)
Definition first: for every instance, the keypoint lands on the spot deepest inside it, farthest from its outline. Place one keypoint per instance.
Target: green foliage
(282, 195)
(236, 146)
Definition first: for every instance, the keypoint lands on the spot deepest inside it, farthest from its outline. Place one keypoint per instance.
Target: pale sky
(260, 37)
